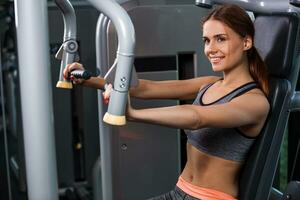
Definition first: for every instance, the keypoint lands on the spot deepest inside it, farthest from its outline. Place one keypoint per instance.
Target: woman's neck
(237, 75)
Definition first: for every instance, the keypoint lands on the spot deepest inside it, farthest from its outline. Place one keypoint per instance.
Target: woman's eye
(220, 39)
(206, 41)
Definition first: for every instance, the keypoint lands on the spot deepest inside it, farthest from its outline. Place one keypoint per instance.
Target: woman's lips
(215, 60)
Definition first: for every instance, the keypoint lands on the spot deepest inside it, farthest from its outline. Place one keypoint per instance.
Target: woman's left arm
(248, 109)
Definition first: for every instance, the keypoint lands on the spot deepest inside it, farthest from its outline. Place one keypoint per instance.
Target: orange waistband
(201, 192)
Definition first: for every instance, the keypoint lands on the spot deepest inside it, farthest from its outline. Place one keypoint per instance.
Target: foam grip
(114, 119)
(64, 85)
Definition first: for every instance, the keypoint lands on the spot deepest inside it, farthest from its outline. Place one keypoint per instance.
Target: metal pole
(36, 96)
(125, 55)
(104, 129)
(68, 13)
(68, 50)
(107, 139)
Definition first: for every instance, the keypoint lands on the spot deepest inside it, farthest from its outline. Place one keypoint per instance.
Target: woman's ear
(248, 43)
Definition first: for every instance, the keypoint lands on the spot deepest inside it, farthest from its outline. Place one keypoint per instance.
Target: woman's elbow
(140, 91)
(196, 121)
(197, 124)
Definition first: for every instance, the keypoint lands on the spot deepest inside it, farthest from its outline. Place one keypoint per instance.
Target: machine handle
(83, 74)
(67, 53)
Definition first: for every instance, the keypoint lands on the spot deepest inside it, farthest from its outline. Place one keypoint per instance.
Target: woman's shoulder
(257, 93)
(256, 99)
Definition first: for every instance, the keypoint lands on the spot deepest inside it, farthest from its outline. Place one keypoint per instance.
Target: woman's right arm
(147, 89)
(171, 89)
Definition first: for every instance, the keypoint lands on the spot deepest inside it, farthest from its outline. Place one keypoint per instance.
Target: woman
(227, 114)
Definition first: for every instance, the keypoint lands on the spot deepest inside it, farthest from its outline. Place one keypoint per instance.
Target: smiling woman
(228, 35)
(228, 112)
(223, 121)
(224, 47)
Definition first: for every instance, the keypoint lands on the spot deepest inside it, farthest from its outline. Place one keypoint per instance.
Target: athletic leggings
(176, 194)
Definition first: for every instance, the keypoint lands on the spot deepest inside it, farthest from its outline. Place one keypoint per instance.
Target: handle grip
(83, 74)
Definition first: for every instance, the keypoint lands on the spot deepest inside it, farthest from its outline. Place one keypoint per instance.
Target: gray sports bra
(227, 143)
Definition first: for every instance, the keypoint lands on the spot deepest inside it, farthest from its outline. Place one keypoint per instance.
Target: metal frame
(68, 50)
(106, 140)
(37, 110)
(266, 6)
(125, 55)
(32, 36)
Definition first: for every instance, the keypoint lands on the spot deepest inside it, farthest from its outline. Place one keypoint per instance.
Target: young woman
(228, 112)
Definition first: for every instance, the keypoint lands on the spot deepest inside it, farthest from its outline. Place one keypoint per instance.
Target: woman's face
(224, 48)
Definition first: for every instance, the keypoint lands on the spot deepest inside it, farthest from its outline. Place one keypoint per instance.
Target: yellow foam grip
(64, 85)
(114, 119)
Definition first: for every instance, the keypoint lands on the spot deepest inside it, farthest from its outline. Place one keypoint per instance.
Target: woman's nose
(211, 48)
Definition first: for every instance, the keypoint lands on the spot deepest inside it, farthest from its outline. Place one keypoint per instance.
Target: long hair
(239, 21)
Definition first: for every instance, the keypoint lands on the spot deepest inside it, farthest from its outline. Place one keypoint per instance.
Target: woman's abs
(211, 172)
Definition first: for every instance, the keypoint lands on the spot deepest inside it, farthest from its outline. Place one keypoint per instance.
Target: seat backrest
(276, 40)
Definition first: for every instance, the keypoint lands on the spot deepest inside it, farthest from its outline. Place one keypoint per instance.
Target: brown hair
(239, 21)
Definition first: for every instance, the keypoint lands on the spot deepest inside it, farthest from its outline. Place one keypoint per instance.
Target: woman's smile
(216, 59)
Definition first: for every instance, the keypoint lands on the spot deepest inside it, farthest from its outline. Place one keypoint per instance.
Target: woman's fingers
(105, 101)
(75, 80)
(66, 72)
(75, 65)
(108, 90)
(71, 67)
(106, 93)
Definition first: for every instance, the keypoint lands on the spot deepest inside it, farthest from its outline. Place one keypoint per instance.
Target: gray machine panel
(149, 155)
(167, 30)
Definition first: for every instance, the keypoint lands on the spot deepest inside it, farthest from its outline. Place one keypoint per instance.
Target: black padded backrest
(276, 41)
(275, 38)
(252, 174)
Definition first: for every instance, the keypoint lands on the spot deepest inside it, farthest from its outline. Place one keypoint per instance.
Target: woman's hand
(71, 67)
(106, 94)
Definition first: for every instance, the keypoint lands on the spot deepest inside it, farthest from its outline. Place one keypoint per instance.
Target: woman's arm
(181, 116)
(146, 89)
(248, 109)
(94, 82)
(171, 89)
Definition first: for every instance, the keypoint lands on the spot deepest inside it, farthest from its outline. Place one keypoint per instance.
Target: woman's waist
(211, 172)
(216, 181)
(204, 192)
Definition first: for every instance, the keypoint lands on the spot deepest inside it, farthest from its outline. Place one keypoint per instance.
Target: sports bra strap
(241, 90)
(228, 97)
